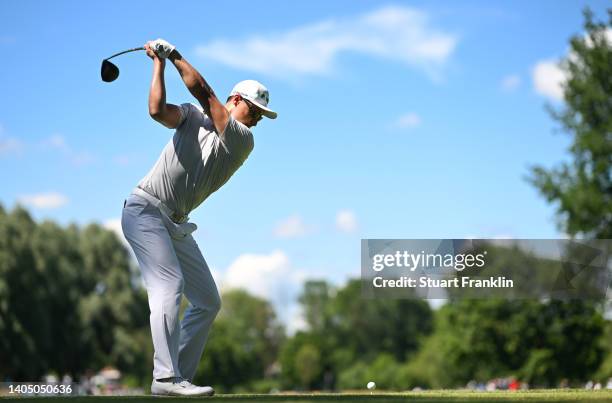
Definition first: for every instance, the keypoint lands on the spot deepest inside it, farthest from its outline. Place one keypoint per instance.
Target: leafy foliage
(582, 187)
(67, 301)
(244, 342)
(345, 329)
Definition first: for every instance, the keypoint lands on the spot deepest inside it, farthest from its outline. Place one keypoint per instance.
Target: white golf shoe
(182, 388)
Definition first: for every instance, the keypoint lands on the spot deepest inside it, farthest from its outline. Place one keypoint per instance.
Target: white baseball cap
(255, 92)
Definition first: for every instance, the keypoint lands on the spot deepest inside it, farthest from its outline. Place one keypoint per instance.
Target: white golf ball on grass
(371, 385)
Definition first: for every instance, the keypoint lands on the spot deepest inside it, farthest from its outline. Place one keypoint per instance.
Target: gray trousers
(171, 264)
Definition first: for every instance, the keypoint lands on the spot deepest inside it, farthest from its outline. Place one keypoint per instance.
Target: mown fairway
(440, 396)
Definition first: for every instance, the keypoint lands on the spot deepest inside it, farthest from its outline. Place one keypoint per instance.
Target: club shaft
(125, 51)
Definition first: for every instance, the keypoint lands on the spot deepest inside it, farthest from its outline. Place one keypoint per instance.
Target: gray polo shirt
(197, 161)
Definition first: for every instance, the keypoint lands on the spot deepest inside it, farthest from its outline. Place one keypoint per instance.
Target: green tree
(582, 187)
(315, 302)
(541, 343)
(243, 344)
(347, 329)
(605, 370)
(67, 301)
(289, 356)
(368, 327)
(112, 307)
(24, 323)
(308, 364)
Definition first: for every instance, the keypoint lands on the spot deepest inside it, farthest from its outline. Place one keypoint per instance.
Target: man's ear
(232, 101)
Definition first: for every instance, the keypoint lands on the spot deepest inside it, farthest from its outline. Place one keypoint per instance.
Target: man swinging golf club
(210, 143)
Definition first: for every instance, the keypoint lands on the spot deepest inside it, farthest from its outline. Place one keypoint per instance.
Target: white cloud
(408, 121)
(510, 82)
(607, 34)
(548, 79)
(399, 34)
(270, 276)
(296, 320)
(291, 227)
(50, 200)
(274, 277)
(346, 221)
(258, 274)
(114, 224)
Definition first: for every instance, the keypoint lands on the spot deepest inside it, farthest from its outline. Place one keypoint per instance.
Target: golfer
(210, 143)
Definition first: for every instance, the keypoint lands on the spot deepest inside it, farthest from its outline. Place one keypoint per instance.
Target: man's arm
(167, 114)
(200, 89)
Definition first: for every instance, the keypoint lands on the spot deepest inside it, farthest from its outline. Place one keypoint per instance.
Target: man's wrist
(174, 55)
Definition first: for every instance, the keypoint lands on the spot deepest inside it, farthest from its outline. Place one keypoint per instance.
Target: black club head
(109, 71)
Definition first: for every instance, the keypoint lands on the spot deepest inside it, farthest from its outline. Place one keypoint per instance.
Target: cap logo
(263, 95)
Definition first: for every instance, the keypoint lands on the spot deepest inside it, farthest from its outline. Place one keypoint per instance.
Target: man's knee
(169, 292)
(215, 305)
(173, 286)
(210, 303)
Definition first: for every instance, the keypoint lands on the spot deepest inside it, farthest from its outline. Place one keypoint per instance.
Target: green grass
(438, 396)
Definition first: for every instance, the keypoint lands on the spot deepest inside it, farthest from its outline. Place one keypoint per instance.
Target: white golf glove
(161, 48)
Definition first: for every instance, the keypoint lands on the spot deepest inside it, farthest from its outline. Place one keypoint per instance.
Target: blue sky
(396, 120)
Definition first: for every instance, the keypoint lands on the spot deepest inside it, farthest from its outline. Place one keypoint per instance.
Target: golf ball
(371, 385)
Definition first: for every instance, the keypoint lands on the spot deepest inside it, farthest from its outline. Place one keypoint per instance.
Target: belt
(178, 219)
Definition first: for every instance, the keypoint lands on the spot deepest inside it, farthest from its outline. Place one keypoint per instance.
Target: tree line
(70, 301)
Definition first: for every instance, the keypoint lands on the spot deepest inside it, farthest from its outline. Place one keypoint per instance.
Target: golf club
(109, 71)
